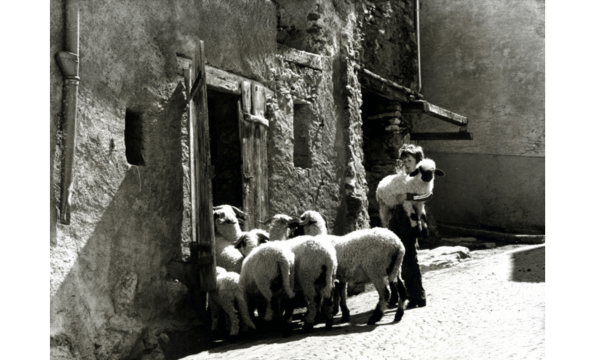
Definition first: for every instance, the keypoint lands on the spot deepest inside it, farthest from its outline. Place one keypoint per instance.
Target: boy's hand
(401, 198)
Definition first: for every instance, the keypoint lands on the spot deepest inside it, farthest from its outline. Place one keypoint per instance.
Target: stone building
(486, 60)
(305, 111)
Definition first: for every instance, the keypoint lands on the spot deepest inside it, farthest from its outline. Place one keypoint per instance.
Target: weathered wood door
(203, 231)
(253, 135)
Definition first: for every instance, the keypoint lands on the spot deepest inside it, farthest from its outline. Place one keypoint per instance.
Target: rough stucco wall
(107, 269)
(292, 189)
(389, 44)
(485, 60)
(520, 210)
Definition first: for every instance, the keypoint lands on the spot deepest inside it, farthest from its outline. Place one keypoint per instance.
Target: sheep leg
(381, 287)
(327, 306)
(342, 290)
(289, 306)
(402, 296)
(310, 295)
(336, 299)
(244, 313)
(232, 317)
(214, 306)
(384, 212)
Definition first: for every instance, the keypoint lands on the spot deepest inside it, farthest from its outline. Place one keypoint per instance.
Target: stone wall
(485, 60)
(108, 278)
(111, 296)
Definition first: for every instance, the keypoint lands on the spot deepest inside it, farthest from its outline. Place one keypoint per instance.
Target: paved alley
(489, 308)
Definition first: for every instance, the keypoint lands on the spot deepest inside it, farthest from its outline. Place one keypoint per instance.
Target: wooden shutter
(200, 166)
(253, 134)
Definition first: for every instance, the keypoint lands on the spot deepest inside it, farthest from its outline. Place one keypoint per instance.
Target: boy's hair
(411, 150)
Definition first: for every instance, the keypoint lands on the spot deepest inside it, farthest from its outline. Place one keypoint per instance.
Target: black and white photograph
(298, 179)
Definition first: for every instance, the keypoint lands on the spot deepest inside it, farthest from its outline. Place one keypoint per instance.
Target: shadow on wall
(118, 281)
(529, 265)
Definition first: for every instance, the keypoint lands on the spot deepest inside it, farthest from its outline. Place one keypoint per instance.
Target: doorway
(226, 151)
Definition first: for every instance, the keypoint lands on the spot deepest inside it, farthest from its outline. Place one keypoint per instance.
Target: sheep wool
(370, 255)
(261, 266)
(315, 258)
(228, 294)
(422, 182)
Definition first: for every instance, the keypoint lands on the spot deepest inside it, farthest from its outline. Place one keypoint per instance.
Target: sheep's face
(310, 217)
(225, 214)
(248, 241)
(426, 169)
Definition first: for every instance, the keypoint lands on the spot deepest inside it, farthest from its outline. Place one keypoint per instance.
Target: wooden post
(260, 156)
(248, 171)
(203, 206)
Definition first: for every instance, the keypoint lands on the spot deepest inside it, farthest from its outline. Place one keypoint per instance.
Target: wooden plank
(300, 57)
(191, 132)
(256, 119)
(424, 107)
(442, 136)
(382, 88)
(226, 82)
(202, 161)
(247, 140)
(259, 156)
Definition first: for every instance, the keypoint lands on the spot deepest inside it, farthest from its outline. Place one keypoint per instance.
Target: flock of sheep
(263, 271)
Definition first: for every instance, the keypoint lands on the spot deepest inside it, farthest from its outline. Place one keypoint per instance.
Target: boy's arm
(419, 197)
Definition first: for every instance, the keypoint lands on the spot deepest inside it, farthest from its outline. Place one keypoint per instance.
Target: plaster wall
(485, 60)
(108, 279)
(110, 291)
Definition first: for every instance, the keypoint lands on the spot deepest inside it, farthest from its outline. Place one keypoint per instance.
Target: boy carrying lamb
(401, 200)
(410, 187)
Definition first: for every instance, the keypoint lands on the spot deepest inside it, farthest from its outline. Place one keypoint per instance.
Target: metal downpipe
(418, 45)
(69, 65)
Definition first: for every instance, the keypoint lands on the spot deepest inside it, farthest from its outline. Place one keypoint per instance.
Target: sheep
(313, 222)
(262, 266)
(227, 295)
(315, 267)
(420, 181)
(370, 255)
(363, 256)
(279, 226)
(227, 231)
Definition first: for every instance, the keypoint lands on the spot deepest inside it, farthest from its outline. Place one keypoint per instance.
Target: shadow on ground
(529, 265)
(355, 326)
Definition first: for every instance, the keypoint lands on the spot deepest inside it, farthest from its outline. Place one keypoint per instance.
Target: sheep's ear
(266, 222)
(218, 207)
(414, 173)
(439, 172)
(241, 241)
(239, 213)
(262, 238)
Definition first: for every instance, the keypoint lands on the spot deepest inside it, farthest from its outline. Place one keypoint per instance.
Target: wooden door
(253, 134)
(203, 230)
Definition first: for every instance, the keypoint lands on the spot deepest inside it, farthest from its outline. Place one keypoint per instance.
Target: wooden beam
(229, 83)
(424, 107)
(256, 119)
(382, 87)
(442, 136)
(300, 57)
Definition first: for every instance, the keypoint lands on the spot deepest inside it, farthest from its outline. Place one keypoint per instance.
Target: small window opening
(303, 117)
(133, 138)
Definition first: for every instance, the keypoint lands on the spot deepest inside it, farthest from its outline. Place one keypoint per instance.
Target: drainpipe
(69, 65)
(418, 45)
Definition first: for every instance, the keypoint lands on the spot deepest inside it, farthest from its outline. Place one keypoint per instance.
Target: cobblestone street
(487, 308)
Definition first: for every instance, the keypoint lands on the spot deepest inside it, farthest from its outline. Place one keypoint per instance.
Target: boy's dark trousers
(411, 274)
